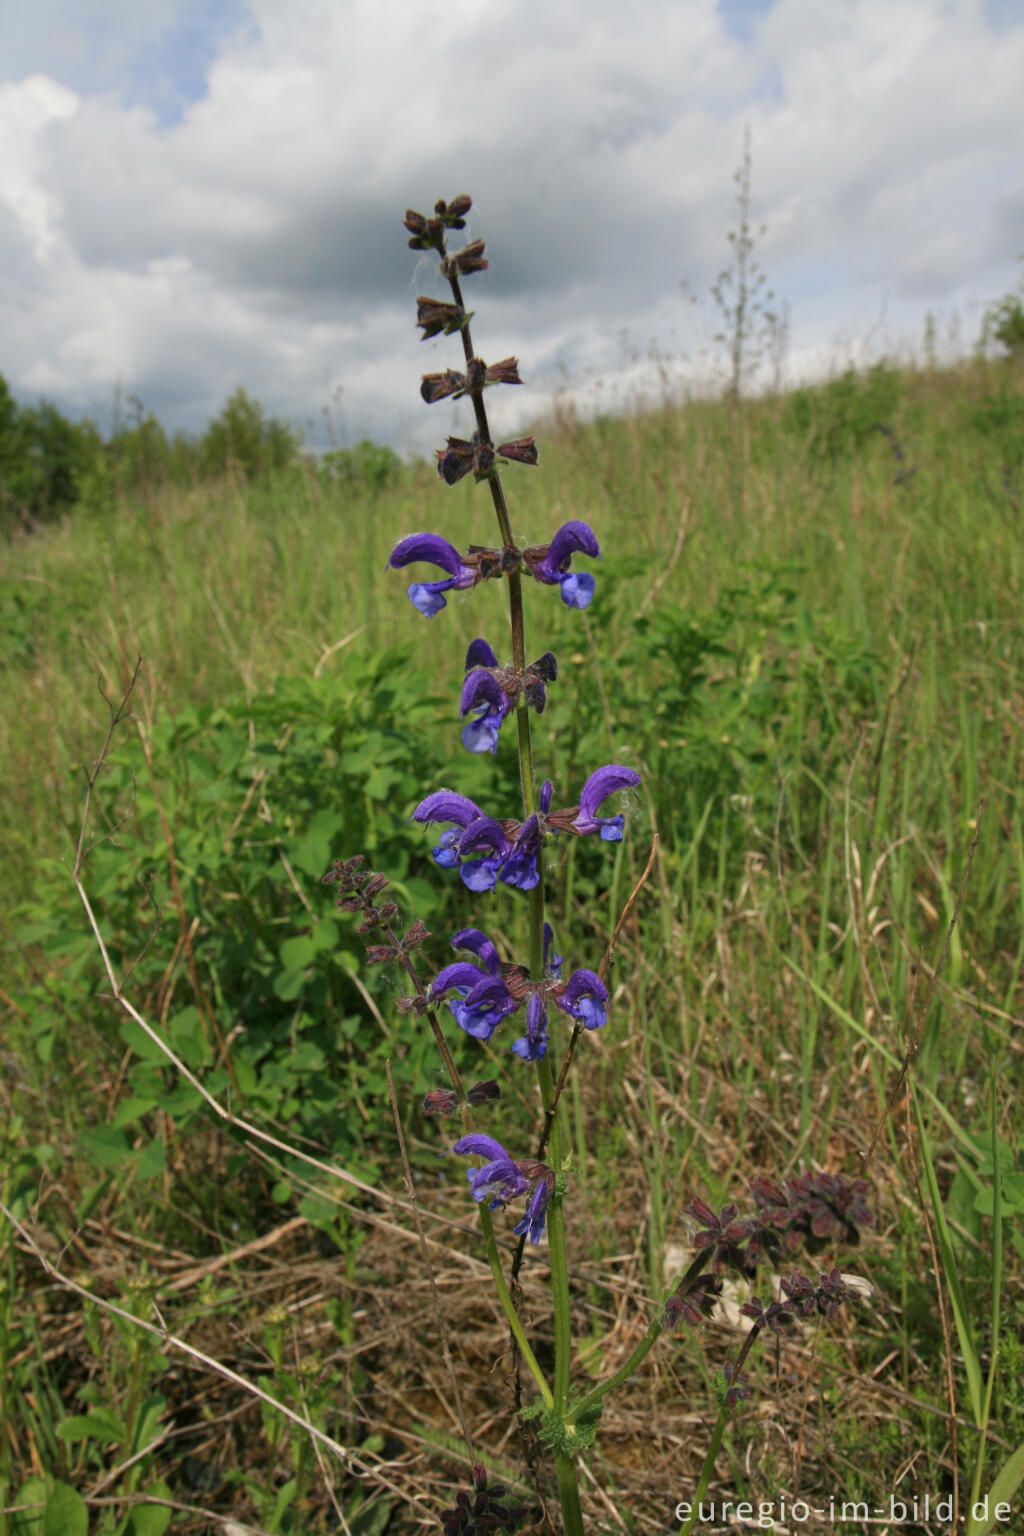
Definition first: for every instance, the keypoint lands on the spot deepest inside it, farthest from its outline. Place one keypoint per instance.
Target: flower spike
(485, 998)
(502, 1178)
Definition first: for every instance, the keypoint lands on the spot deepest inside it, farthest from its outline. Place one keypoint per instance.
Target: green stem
(625, 1371)
(707, 1469)
(511, 1315)
(569, 1494)
(650, 1338)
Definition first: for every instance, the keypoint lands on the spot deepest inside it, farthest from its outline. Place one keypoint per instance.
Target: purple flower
(502, 1179)
(583, 819)
(433, 316)
(432, 550)
(510, 850)
(547, 563)
(484, 999)
(492, 691)
(438, 386)
(586, 999)
(471, 832)
(551, 563)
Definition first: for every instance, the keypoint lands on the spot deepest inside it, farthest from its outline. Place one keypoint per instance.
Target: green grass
(816, 659)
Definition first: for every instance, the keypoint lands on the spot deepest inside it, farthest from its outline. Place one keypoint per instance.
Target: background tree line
(50, 465)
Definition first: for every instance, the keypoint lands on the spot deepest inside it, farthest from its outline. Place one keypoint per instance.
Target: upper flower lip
(604, 782)
(446, 805)
(572, 538)
(432, 550)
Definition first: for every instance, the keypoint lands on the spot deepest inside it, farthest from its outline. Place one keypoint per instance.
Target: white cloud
(255, 237)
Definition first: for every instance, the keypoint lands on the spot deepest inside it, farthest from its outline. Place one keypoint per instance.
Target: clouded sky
(201, 194)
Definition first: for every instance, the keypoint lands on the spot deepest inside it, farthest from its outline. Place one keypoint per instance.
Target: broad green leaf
(151, 1519)
(132, 1109)
(97, 1425)
(288, 985)
(138, 1041)
(151, 1162)
(30, 1505)
(66, 1514)
(107, 1146)
(298, 952)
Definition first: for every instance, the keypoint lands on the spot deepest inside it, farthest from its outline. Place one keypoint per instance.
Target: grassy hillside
(808, 635)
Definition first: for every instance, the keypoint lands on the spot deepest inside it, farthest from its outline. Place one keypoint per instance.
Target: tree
(1004, 323)
(749, 326)
(242, 440)
(44, 460)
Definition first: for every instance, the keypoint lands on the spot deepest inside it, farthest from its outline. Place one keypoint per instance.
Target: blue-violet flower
(510, 850)
(547, 563)
(483, 999)
(492, 691)
(502, 1179)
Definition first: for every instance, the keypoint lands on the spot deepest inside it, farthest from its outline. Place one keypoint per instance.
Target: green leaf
(30, 1504)
(283, 1502)
(131, 1109)
(186, 1032)
(66, 1514)
(91, 1199)
(136, 1039)
(298, 952)
(107, 1145)
(151, 1161)
(151, 1519)
(288, 985)
(91, 1426)
(1008, 1480)
(147, 1425)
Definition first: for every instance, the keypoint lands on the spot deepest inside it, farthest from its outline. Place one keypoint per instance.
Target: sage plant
(524, 1001)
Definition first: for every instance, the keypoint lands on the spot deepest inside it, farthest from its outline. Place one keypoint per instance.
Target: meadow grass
(808, 634)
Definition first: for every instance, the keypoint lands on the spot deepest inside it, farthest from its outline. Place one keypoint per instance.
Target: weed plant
(818, 676)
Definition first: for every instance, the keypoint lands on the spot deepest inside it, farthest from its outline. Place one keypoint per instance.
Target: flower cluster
(485, 851)
(429, 234)
(463, 456)
(358, 890)
(486, 1509)
(484, 999)
(502, 1178)
(808, 1211)
(549, 564)
(454, 385)
(491, 691)
(445, 1101)
(803, 1299)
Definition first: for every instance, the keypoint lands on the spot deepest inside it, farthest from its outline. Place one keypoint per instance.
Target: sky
(197, 195)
